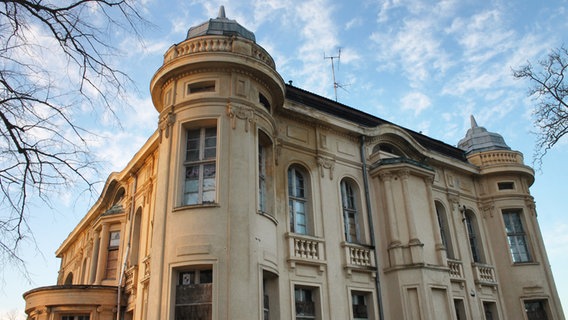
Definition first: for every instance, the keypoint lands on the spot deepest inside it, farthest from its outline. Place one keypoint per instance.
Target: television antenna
(332, 58)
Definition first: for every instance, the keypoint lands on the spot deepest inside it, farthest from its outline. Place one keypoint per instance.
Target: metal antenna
(335, 84)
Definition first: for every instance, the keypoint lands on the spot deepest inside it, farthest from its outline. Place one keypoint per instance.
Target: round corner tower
(214, 222)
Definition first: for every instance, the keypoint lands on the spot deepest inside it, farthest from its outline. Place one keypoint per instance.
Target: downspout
(371, 227)
(127, 251)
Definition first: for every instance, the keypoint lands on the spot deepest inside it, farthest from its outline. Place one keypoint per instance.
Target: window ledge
(268, 216)
(528, 263)
(196, 206)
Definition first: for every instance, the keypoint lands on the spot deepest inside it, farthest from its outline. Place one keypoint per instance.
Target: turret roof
(220, 26)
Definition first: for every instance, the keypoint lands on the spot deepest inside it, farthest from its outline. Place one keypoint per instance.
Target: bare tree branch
(55, 58)
(549, 91)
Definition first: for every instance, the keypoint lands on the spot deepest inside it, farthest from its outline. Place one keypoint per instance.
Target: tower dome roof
(220, 26)
(478, 139)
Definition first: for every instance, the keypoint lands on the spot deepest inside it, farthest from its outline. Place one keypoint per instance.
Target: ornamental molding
(326, 163)
(235, 112)
(166, 124)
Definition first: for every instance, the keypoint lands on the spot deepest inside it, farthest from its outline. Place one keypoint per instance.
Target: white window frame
(204, 160)
(349, 203)
(298, 197)
(516, 236)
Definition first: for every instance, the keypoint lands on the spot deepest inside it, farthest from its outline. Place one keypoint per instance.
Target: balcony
(358, 257)
(456, 270)
(53, 301)
(484, 274)
(131, 280)
(305, 249)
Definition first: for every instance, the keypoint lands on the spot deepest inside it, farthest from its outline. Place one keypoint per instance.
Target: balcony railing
(131, 280)
(456, 269)
(358, 257)
(484, 274)
(305, 249)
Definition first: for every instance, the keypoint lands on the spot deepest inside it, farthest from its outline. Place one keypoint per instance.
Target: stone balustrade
(305, 249)
(484, 274)
(213, 44)
(359, 256)
(456, 269)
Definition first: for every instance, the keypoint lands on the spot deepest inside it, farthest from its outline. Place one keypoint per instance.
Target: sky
(424, 65)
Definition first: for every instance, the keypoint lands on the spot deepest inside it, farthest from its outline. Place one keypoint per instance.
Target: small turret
(478, 139)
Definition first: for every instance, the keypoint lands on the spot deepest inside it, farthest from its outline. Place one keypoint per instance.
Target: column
(103, 246)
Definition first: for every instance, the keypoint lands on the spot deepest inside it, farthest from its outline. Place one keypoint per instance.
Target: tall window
(270, 301)
(536, 310)
(112, 255)
(473, 235)
(305, 303)
(516, 236)
(350, 213)
(200, 166)
(194, 295)
(298, 200)
(359, 305)
(261, 178)
(444, 229)
(265, 197)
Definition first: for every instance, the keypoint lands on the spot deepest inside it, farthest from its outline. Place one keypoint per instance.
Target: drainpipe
(127, 251)
(371, 227)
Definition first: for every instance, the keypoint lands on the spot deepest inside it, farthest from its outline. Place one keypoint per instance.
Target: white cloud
(415, 102)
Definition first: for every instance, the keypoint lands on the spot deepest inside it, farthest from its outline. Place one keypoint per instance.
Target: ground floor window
(536, 310)
(193, 299)
(305, 303)
(76, 317)
(490, 310)
(359, 305)
(460, 309)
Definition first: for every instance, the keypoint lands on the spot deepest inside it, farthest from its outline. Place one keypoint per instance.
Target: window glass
(536, 310)
(473, 236)
(305, 306)
(359, 306)
(516, 236)
(194, 295)
(350, 213)
(200, 166)
(297, 201)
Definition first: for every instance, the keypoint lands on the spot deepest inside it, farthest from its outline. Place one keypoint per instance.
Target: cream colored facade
(258, 200)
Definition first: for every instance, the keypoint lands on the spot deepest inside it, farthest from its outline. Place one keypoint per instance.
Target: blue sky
(425, 65)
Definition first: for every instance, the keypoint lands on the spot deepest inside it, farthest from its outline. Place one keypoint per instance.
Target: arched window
(136, 229)
(298, 200)
(69, 279)
(351, 214)
(473, 235)
(444, 229)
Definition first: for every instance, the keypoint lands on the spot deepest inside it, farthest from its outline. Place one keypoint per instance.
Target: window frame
(545, 308)
(444, 229)
(297, 198)
(521, 239)
(265, 173)
(201, 161)
(194, 275)
(315, 298)
(350, 205)
(474, 237)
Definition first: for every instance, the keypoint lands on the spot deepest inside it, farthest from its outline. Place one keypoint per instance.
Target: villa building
(255, 199)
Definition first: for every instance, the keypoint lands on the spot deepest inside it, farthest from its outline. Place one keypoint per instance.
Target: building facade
(255, 199)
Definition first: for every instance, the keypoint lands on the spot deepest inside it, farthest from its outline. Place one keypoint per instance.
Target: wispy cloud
(415, 102)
